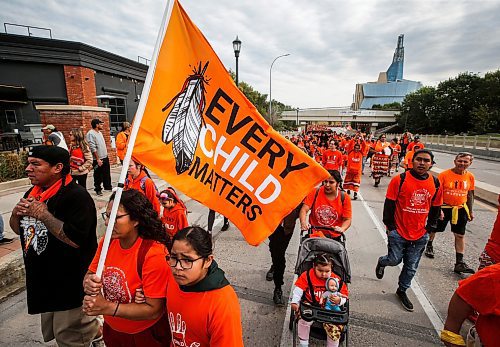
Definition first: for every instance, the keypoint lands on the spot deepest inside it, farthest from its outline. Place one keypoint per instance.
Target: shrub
(12, 166)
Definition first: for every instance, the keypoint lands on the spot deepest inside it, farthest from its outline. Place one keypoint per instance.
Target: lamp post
(297, 117)
(270, 98)
(237, 48)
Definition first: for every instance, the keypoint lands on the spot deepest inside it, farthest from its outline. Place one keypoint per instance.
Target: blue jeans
(410, 252)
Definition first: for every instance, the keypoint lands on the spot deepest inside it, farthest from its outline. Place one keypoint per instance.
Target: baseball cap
(48, 127)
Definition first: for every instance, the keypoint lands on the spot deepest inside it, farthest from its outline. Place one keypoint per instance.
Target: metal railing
(29, 27)
(489, 143)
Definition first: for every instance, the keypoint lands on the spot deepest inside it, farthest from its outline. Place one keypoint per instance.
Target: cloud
(332, 44)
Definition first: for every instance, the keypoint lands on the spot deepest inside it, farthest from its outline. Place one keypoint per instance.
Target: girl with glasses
(202, 307)
(135, 261)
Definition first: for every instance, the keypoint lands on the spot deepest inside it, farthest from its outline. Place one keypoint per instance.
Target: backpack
(402, 177)
(143, 250)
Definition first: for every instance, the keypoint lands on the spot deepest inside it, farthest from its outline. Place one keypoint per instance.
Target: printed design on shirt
(169, 223)
(178, 330)
(115, 285)
(34, 234)
(456, 188)
(418, 201)
(326, 215)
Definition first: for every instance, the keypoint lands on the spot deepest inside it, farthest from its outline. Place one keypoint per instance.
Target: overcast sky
(333, 44)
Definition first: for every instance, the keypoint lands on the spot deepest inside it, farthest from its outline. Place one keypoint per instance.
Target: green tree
(417, 110)
(485, 120)
(393, 106)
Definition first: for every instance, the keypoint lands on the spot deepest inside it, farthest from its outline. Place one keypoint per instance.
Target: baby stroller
(309, 248)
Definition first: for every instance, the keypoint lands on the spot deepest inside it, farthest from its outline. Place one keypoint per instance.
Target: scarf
(43, 195)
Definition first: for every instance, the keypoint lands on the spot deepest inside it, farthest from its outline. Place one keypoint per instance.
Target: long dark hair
(198, 238)
(140, 209)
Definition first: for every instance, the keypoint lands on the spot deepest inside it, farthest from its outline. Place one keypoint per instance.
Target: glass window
(117, 115)
(11, 116)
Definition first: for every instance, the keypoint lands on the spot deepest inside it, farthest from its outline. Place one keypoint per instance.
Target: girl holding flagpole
(135, 262)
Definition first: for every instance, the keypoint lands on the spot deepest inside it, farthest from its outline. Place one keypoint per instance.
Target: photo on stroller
(311, 310)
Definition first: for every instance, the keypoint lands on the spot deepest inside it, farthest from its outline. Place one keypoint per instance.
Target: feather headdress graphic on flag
(184, 120)
(201, 134)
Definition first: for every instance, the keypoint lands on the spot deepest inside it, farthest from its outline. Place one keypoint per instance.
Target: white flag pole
(133, 135)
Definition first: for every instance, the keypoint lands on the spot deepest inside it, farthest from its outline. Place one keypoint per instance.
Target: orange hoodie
(146, 186)
(174, 219)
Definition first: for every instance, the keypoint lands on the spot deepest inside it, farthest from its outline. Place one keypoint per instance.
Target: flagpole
(133, 135)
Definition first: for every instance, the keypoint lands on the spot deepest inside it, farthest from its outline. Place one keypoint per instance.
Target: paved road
(484, 170)
(377, 318)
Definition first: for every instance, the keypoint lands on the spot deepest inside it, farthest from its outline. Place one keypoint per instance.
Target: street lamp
(236, 48)
(297, 117)
(270, 98)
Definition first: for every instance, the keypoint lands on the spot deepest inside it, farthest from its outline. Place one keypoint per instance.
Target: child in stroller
(310, 287)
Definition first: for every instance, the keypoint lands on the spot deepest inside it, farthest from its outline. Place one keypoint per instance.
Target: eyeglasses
(105, 216)
(186, 264)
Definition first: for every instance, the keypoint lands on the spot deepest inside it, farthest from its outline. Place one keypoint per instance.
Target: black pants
(102, 174)
(211, 220)
(278, 243)
(81, 180)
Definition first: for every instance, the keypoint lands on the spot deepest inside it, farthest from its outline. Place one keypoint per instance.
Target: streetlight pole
(297, 117)
(237, 48)
(270, 79)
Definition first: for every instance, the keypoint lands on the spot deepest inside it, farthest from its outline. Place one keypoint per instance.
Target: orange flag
(200, 134)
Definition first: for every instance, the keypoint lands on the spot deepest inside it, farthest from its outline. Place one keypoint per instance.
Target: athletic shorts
(458, 228)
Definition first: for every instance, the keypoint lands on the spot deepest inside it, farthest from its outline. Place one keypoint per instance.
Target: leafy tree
(417, 110)
(393, 106)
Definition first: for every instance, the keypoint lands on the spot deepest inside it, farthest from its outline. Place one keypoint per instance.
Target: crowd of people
(161, 285)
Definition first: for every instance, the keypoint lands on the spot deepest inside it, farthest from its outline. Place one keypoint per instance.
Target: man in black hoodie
(411, 210)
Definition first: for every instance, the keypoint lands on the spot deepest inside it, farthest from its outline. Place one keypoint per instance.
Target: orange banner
(201, 135)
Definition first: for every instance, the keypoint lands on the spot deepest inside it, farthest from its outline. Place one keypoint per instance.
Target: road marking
(422, 298)
(285, 332)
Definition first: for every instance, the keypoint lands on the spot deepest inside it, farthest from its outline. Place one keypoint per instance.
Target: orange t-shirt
(328, 213)
(481, 291)
(354, 161)
(408, 160)
(174, 219)
(456, 187)
(413, 204)
(148, 189)
(332, 160)
(318, 285)
(120, 279)
(493, 245)
(203, 319)
(396, 148)
(413, 144)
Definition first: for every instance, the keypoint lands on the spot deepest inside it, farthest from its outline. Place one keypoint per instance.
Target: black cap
(51, 154)
(95, 121)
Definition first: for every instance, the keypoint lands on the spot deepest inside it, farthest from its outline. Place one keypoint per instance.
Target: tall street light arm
(270, 80)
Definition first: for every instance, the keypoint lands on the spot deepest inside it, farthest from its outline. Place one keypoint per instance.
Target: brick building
(47, 81)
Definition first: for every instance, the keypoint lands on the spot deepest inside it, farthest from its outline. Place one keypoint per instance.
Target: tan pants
(71, 328)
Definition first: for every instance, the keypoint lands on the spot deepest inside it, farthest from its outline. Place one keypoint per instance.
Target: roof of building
(53, 51)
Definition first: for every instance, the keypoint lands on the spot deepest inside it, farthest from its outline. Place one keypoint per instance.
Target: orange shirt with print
(481, 291)
(318, 285)
(413, 144)
(174, 219)
(120, 279)
(204, 319)
(456, 187)
(413, 203)
(354, 162)
(326, 212)
(396, 148)
(332, 160)
(146, 186)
